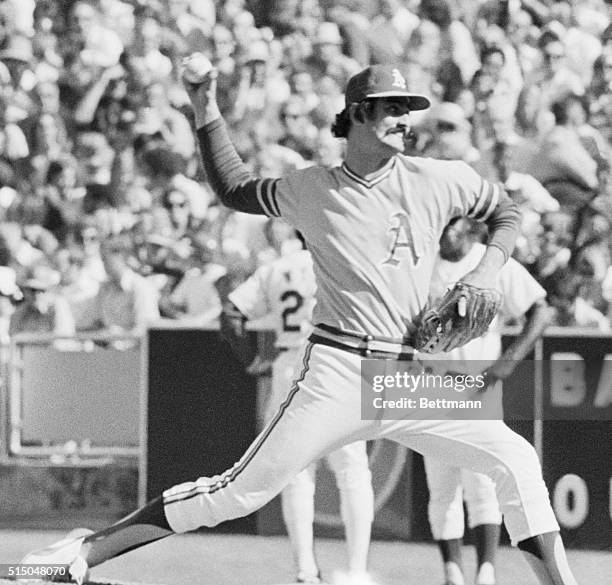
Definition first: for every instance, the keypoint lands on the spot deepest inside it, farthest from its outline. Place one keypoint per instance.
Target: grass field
(196, 559)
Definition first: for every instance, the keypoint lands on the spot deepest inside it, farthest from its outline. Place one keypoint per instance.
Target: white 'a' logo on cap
(398, 79)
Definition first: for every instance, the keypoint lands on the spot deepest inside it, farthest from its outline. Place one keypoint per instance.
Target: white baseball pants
(322, 412)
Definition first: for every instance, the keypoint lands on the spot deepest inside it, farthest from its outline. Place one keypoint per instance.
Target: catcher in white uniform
(373, 227)
(285, 289)
(450, 485)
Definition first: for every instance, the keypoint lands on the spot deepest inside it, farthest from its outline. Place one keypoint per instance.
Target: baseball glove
(462, 314)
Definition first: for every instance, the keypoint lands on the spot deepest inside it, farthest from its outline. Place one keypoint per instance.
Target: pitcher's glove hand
(462, 314)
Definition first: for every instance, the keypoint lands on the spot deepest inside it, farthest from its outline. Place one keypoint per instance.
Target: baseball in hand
(196, 67)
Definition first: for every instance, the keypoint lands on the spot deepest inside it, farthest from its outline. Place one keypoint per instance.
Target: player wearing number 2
(285, 289)
(372, 225)
(449, 485)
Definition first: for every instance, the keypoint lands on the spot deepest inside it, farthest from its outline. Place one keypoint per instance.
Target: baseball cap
(379, 81)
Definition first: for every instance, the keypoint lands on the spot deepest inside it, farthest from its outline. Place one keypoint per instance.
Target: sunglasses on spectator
(554, 56)
(177, 204)
(445, 127)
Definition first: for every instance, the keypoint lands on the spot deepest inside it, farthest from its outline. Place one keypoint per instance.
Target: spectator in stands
(600, 93)
(150, 63)
(17, 57)
(126, 301)
(193, 20)
(76, 285)
(42, 309)
(223, 59)
(98, 46)
(170, 123)
(118, 16)
(389, 32)
(298, 132)
(448, 85)
(303, 91)
(451, 135)
(495, 94)
(47, 94)
(582, 47)
(522, 34)
(563, 165)
(272, 159)
(104, 200)
(62, 198)
(524, 189)
(9, 291)
(456, 42)
(571, 310)
(549, 82)
(88, 238)
(163, 171)
(195, 298)
(555, 241)
(104, 102)
(327, 59)
(48, 61)
(183, 224)
(591, 258)
(14, 146)
(330, 99)
(280, 240)
(259, 94)
(23, 254)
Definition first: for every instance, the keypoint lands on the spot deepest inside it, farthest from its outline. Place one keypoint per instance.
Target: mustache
(409, 134)
(399, 129)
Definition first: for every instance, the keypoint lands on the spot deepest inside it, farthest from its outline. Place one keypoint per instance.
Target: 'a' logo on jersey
(398, 79)
(401, 237)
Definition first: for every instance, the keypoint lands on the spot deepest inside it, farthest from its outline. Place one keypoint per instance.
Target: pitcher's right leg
(320, 414)
(490, 447)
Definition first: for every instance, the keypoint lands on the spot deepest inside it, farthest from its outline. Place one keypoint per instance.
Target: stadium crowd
(107, 221)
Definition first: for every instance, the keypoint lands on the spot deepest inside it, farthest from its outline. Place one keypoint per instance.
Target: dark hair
(437, 11)
(450, 78)
(491, 50)
(560, 107)
(166, 195)
(162, 161)
(342, 124)
(56, 168)
(547, 37)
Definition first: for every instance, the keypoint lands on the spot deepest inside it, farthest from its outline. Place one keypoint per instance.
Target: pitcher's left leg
(492, 448)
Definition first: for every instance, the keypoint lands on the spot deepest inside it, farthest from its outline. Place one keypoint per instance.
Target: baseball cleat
(486, 574)
(63, 552)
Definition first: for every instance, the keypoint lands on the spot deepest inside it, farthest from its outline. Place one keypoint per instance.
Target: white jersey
(284, 288)
(519, 289)
(374, 242)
